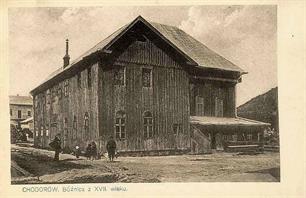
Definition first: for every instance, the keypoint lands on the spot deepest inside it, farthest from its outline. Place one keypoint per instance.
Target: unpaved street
(36, 166)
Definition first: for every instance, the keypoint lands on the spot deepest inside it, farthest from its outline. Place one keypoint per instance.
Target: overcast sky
(245, 35)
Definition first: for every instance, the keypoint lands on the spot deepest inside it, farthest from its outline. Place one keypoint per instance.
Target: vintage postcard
(152, 100)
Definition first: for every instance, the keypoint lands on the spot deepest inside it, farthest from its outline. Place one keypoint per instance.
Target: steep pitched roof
(21, 100)
(193, 50)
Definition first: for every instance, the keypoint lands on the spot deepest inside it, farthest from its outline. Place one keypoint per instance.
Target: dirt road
(219, 167)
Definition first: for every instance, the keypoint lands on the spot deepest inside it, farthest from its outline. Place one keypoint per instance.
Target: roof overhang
(225, 121)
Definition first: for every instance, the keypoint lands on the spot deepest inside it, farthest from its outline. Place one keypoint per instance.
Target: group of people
(91, 150)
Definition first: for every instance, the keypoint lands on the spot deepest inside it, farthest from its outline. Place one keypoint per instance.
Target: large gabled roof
(194, 51)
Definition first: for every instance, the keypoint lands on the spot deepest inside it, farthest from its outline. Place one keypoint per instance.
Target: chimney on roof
(66, 57)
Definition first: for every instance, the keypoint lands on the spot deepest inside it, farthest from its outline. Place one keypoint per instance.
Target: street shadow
(44, 165)
(275, 172)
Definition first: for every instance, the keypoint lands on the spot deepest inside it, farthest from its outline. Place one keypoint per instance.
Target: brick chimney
(66, 57)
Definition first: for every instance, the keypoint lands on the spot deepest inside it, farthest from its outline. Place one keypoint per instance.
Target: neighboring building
(151, 86)
(27, 124)
(21, 108)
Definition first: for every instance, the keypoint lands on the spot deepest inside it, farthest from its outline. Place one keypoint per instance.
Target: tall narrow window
(86, 125)
(48, 97)
(74, 127)
(41, 131)
(146, 77)
(29, 113)
(65, 129)
(199, 106)
(53, 94)
(19, 113)
(89, 77)
(177, 129)
(218, 107)
(79, 79)
(119, 75)
(36, 131)
(59, 92)
(120, 125)
(47, 130)
(11, 112)
(66, 88)
(148, 124)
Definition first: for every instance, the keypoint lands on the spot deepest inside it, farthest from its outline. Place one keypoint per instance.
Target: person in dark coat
(88, 151)
(111, 148)
(56, 145)
(93, 150)
(77, 151)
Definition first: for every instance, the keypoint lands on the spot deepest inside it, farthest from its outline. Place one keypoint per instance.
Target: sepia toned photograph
(143, 94)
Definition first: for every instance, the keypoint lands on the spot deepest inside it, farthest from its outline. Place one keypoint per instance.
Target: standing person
(88, 151)
(56, 145)
(111, 148)
(93, 150)
(77, 152)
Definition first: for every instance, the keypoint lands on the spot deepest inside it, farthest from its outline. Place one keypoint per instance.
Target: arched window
(148, 124)
(74, 127)
(120, 125)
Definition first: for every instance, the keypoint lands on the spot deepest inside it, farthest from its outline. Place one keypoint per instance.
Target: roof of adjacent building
(224, 121)
(193, 50)
(21, 100)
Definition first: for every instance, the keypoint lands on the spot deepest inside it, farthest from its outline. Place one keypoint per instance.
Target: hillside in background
(262, 108)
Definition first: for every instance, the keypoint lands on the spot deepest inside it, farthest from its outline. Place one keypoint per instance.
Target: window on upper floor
(11, 112)
(89, 77)
(148, 124)
(218, 107)
(48, 96)
(29, 113)
(66, 87)
(53, 94)
(146, 77)
(59, 92)
(119, 75)
(19, 113)
(79, 80)
(120, 125)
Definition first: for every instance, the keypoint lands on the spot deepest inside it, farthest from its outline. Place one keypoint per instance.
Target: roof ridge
(197, 53)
